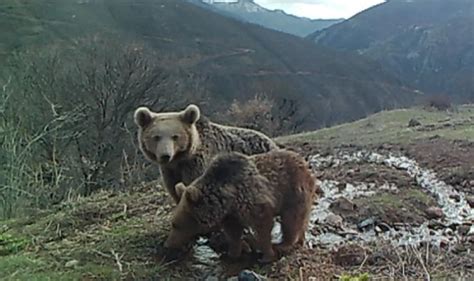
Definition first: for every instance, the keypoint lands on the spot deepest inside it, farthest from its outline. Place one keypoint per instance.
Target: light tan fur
(183, 143)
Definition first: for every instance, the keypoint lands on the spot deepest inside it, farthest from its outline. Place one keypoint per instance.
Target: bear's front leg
(233, 230)
(170, 179)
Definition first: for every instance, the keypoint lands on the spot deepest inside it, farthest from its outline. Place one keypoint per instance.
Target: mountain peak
(249, 11)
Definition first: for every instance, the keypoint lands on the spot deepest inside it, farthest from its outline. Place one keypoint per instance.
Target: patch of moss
(359, 277)
(406, 206)
(10, 244)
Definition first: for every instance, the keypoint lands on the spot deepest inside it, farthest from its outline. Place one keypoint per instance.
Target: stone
(248, 275)
(414, 123)
(470, 200)
(366, 224)
(333, 220)
(343, 205)
(436, 225)
(71, 263)
(464, 229)
(383, 226)
(434, 213)
(455, 197)
(449, 232)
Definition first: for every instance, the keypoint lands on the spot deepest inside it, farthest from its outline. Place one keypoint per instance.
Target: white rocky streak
(457, 211)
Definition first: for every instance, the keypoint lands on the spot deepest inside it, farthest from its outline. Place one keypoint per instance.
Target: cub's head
(184, 226)
(164, 136)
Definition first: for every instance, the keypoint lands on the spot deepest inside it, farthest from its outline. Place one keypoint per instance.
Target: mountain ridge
(427, 44)
(249, 11)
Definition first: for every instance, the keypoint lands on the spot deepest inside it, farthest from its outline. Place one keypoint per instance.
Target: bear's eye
(175, 226)
(156, 138)
(175, 137)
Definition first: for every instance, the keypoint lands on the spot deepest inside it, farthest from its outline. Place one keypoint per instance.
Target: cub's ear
(192, 194)
(180, 188)
(143, 117)
(191, 114)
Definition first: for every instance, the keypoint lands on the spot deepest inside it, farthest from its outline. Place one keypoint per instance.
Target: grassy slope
(88, 239)
(392, 127)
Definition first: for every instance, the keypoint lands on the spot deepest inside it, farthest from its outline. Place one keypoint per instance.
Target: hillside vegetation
(223, 57)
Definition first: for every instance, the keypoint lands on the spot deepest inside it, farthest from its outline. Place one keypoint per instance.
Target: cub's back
(288, 173)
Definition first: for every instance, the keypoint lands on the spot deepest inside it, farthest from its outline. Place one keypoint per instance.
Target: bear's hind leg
(293, 225)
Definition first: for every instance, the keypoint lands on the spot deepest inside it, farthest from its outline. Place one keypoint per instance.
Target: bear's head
(165, 136)
(184, 225)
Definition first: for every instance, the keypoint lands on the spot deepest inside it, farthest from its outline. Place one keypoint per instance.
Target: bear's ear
(180, 188)
(143, 117)
(191, 114)
(192, 194)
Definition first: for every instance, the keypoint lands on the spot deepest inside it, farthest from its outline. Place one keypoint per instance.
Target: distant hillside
(249, 11)
(427, 43)
(233, 60)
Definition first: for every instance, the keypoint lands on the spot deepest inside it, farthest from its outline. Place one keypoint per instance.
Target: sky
(320, 9)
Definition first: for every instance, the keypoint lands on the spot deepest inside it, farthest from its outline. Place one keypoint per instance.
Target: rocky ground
(390, 210)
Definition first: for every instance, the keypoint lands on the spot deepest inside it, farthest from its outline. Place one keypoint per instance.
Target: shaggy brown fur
(183, 143)
(239, 191)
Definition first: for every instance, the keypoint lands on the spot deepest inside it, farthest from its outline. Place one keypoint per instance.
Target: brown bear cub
(238, 191)
(183, 143)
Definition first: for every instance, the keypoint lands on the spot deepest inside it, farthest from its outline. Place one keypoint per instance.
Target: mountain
(427, 43)
(230, 59)
(249, 11)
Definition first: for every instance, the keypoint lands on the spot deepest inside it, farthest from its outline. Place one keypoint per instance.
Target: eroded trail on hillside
(454, 211)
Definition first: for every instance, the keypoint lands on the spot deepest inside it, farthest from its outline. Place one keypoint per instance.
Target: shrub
(438, 102)
(67, 118)
(272, 117)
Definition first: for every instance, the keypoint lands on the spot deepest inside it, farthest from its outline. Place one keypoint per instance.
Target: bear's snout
(165, 158)
(175, 254)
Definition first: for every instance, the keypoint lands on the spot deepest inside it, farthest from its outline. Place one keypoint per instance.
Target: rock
(470, 200)
(343, 205)
(444, 243)
(378, 229)
(436, 225)
(333, 220)
(247, 275)
(464, 229)
(71, 263)
(470, 239)
(349, 255)
(383, 226)
(448, 231)
(414, 123)
(366, 224)
(455, 197)
(211, 278)
(434, 213)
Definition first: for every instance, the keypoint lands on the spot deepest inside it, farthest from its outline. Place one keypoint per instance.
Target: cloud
(320, 8)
